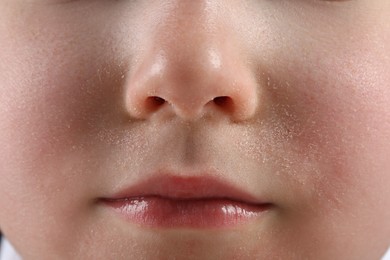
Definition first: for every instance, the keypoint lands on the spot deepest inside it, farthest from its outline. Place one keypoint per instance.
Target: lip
(172, 201)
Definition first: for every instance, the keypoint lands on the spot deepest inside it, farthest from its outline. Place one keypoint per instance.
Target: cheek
(331, 94)
(48, 101)
(341, 120)
(52, 91)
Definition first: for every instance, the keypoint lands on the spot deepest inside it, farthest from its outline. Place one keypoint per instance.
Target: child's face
(302, 122)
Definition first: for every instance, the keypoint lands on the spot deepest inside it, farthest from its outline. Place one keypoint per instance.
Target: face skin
(305, 123)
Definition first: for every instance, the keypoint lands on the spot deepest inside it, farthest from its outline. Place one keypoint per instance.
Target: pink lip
(169, 201)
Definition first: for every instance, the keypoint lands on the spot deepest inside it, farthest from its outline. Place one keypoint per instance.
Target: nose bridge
(190, 60)
(189, 37)
(189, 17)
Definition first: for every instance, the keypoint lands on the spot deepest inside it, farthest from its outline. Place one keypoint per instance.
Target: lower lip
(156, 211)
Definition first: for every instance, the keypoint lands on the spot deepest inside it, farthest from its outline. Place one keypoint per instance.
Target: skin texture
(305, 123)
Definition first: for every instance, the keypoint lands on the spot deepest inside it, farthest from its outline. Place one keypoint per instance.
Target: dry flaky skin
(306, 124)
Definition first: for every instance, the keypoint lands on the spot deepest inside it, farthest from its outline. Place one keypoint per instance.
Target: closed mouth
(169, 201)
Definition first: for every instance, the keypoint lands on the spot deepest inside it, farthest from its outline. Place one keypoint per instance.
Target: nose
(192, 67)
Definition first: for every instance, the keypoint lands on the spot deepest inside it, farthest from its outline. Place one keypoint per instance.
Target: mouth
(171, 201)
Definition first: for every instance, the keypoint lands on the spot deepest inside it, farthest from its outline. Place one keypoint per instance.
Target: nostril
(157, 100)
(225, 103)
(154, 103)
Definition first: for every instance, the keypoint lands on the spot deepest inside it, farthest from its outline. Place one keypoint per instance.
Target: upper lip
(179, 187)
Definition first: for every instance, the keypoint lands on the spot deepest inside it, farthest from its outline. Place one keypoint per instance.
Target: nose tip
(192, 87)
(191, 74)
